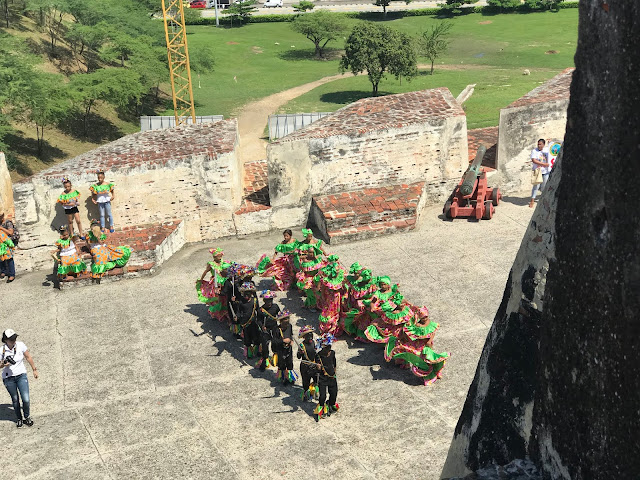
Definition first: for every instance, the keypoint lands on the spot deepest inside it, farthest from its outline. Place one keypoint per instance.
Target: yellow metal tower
(176, 35)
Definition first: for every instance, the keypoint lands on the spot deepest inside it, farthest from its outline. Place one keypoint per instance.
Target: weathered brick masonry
(189, 173)
(374, 142)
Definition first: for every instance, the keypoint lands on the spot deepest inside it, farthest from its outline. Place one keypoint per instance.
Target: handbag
(536, 176)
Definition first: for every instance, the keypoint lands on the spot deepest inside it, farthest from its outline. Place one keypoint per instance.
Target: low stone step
(151, 245)
(366, 212)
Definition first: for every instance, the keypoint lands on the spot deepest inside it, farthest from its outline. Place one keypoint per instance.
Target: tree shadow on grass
(22, 146)
(297, 54)
(348, 96)
(99, 128)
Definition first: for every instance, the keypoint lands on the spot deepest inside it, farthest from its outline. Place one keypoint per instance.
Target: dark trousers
(265, 338)
(285, 359)
(308, 374)
(324, 384)
(251, 335)
(8, 267)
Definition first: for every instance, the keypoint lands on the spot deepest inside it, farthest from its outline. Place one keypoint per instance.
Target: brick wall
(541, 113)
(189, 173)
(406, 138)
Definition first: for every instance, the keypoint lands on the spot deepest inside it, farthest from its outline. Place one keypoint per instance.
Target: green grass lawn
(263, 61)
(495, 89)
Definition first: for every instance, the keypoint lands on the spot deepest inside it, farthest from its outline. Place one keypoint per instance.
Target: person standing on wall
(14, 375)
(541, 168)
(8, 240)
(70, 200)
(102, 194)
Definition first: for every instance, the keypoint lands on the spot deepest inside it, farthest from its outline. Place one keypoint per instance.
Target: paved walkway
(138, 382)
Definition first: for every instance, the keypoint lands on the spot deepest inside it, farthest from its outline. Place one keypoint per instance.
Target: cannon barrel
(469, 178)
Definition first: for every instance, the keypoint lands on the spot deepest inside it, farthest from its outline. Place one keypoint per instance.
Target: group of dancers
(231, 295)
(351, 301)
(68, 253)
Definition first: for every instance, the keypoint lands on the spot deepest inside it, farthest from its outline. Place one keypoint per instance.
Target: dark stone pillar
(559, 379)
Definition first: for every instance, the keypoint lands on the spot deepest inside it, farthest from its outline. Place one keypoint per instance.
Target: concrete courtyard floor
(136, 381)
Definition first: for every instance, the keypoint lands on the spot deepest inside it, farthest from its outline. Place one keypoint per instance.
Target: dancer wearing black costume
(267, 319)
(282, 346)
(307, 355)
(326, 360)
(246, 308)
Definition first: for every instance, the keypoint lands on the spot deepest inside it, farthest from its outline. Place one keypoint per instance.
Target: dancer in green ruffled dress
(104, 257)
(331, 287)
(281, 267)
(308, 265)
(70, 264)
(361, 286)
(413, 348)
(209, 291)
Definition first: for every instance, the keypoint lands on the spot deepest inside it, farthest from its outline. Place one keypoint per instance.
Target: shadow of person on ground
(6, 413)
(372, 355)
(215, 330)
(516, 200)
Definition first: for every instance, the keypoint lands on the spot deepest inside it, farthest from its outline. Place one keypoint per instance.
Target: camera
(10, 360)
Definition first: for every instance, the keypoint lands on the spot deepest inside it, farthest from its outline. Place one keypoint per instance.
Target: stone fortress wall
(192, 173)
(189, 173)
(541, 113)
(374, 142)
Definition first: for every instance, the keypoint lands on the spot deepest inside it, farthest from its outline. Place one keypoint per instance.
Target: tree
(542, 4)
(86, 41)
(45, 102)
(303, 6)
(242, 10)
(385, 3)
(378, 49)
(503, 4)
(50, 14)
(454, 6)
(432, 42)
(320, 27)
(118, 86)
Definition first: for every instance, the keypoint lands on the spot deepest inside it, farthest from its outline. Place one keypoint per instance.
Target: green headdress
(306, 232)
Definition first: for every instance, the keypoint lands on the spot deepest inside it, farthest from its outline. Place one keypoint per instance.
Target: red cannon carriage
(472, 197)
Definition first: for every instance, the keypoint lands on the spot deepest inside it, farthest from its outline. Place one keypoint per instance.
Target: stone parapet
(190, 173)
(372, 143)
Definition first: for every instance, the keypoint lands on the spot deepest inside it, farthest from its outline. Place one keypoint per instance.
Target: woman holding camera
(14, 374)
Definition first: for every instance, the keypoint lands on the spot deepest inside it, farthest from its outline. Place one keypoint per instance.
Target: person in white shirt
(540, 159)
(14, 374)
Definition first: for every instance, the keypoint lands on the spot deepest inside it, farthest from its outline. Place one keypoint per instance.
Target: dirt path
(253, 117)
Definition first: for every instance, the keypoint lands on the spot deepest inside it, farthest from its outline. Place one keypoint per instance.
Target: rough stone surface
(6, 192)
(558, 377)
(541, 113)
(375, 142)
(136, 381)
(189, 173)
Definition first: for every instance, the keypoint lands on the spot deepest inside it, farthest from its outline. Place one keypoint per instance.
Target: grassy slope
(491, 55)
(64, 143)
